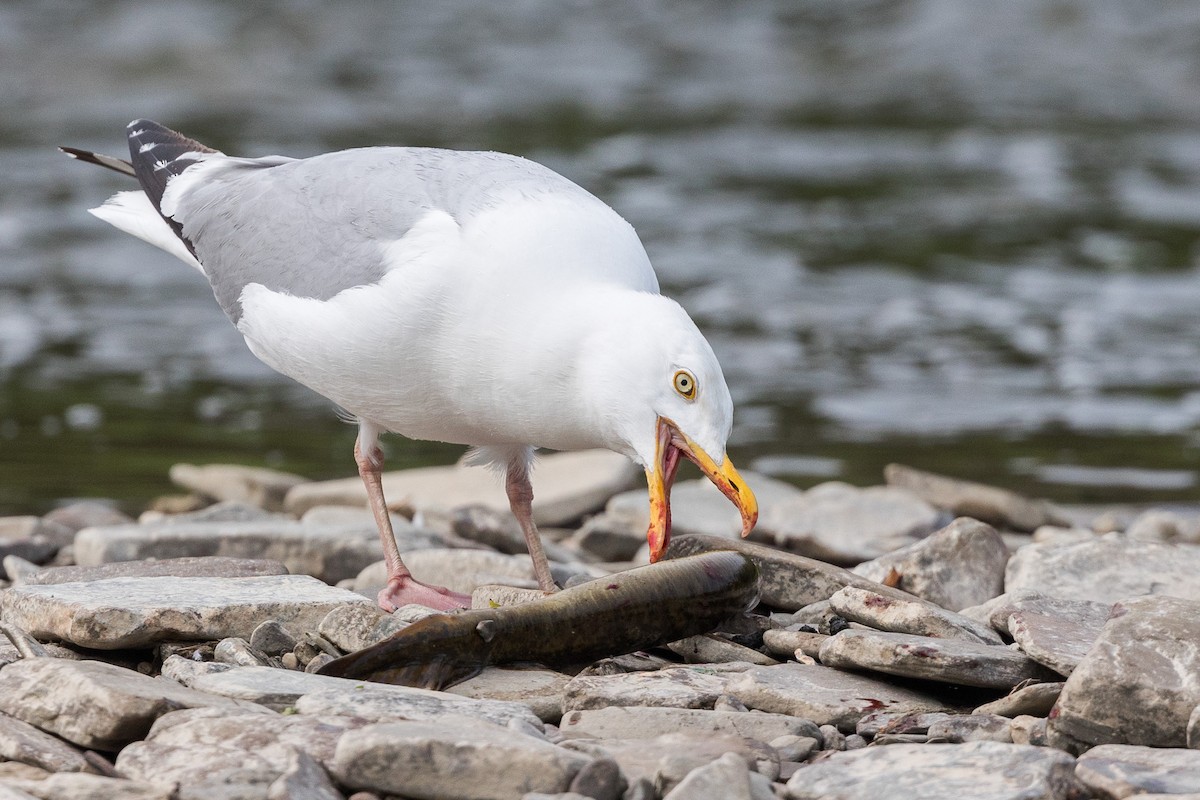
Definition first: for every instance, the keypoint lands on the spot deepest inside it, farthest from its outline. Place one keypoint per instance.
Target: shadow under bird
(467, 297)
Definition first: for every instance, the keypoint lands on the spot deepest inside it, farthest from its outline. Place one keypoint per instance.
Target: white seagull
(466, 297)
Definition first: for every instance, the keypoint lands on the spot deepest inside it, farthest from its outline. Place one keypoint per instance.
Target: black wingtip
(108, 162)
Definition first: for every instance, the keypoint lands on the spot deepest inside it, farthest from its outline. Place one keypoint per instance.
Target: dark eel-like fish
(621, 613)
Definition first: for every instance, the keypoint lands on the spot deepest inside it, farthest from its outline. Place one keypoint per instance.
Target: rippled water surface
(959, 235)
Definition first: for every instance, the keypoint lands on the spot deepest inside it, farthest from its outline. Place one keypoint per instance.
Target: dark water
(960, 235)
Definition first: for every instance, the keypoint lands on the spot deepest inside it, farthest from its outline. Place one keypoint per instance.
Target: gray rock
(787, 581)
(452, 758)
(1161, 525)
(86, 514)
(239, 653)
(679, 687)
(943, 660)
(1106, 570)
(354, 627)
(785, 643)
(82, 786)
(303, 779)
(135, 612)
(666, 760)
(459, 570)
(971, 728)
(272, 638)
(1057, 643)
(229, 753)
(224, 511)
(979, 770)
(795, 748)
(1036, 700)
(265, 488)
(967, 499)
(648, 722)
(328, 553)
(916, 617)
(1088, 615)
(959, 566)
(90, 703)
(1141, 680)
(197, 567)
(20, 741)
(18, 529)
(566, 486)
(1121, 770)
(825, 696)
(540, 689)
(1193, 729)
(1026, 729)
(600, 779)
(727, 778)
(843, 524)
(710, 649)
(497, 594)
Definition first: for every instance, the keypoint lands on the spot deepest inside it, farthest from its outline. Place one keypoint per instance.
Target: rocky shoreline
(927, 638)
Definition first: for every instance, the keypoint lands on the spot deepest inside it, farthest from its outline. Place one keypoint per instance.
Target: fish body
(620, 613)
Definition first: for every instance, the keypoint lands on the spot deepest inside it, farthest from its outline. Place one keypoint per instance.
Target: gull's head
(661, 397)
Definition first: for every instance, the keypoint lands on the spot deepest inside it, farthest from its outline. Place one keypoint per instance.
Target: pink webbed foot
(404, 589)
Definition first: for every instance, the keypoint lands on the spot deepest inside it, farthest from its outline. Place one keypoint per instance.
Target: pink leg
(520, 499)
(402, 588)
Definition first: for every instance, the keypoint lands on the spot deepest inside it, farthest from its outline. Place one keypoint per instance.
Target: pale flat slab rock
(676, 687)
(452, 759)
(710, 649)
(565, 487)
(1055, 642)
(258, 486)
(1087, 615)
(664, 761)
(1140, 682)
(354, 627)
(1123, 770)
(459, 570)
(786, 581)
(93, 704)
(844, 524)
(331, 553)
(82, 786)
(944, 660)
(229, 753)
(902, 615)
(823, 695)
(1036, 700)
(647, 721)
(136, 612)
(540, 689)
(190, 567)
(978, 770)
(727, 778)
(977, 500)
(20, 741)
(303, 779)
(959, 566)
(1107, 569)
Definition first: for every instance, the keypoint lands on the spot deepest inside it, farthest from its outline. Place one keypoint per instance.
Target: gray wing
(314, 227)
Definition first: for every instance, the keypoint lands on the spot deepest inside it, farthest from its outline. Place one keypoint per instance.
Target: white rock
(135, 612)
(459, 570)
(727, 778)
(258, 486)
(1122, 770)
(648, 721)
(540, 689)
(678, 687)
(901, 615)
(980, 501)
(82, 786)
(20, 741)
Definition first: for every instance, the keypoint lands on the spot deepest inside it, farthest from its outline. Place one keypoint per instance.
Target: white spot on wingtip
(136, 134)
(147, 147)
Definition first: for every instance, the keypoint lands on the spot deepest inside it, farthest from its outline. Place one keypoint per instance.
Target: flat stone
(979, 770)
(195, 567)
(265, 488)
(710, 649)
(1162, 525)
(844, 524)
(1026, 729)
(727, 778)
(959, 566)
(229, 753)
(86, 514)
(565, 486)
(1089, 615)
(15, 529)
(968, 499)
(1036, 700)
(678, 687)
(458, 570)
(664, 761)
(493, 595)
(93, 704)
(916, 617)
(971, 728)
(1140, 681)
(136, 612)
(785, 643)
(648, 722)
(787, 581)
(452, 759)
(303, 779)
(823, 695)
(82, 786)
(1057, 643)
(1107, 569)
(943, 660)
(540, 689)
(354, 627)
(20, 741)
(1122, 770)
(329, 553)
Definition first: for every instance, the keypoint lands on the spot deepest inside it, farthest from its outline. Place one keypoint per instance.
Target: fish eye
(685, 384)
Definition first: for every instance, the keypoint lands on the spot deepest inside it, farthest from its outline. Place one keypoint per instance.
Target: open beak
(671, 443)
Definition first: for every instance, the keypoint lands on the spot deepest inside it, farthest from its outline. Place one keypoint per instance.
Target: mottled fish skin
(620, 613)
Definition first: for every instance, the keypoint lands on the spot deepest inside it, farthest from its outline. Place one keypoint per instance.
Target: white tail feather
(133, 213)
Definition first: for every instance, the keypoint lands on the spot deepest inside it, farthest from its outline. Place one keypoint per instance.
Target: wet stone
(968, 499)
(844, 524)
(452, 759)
(943, 660)
(1121, 770)
(90, 703)
(195, 567)
(823, 695)
(616, 722)
(136, 612)
(1106, 570)
(916, 617)
(959, 566)
(1035, 699)
(1141, 680)
(986, 770)
(679, 687)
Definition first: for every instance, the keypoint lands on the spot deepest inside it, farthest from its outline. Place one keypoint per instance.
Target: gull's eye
(685, 384)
